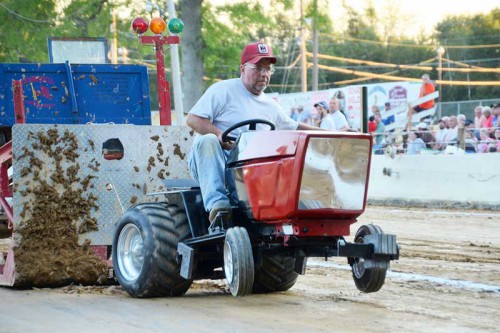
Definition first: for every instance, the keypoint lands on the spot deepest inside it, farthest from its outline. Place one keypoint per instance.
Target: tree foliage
(26, 24)
(24, 27)
(474, 30)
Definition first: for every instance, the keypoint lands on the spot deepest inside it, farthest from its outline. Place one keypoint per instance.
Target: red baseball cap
(254, 52)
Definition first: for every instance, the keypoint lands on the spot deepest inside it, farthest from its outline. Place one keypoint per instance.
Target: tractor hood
(302, 174)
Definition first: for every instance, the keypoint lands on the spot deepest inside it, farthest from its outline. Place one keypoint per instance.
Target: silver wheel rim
(130, 252)
(228, 262)
(358, 268)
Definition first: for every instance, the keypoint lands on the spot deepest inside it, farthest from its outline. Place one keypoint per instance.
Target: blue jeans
(207, 162)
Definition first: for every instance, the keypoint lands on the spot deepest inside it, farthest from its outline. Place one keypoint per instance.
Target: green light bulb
(175, 26)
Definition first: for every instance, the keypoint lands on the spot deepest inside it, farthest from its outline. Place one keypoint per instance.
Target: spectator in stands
(391, 118)
(484, 143)
(487, 122)
(324, 121)
(425, 134)
(446, 122)
(426, 88)
(339, 94)
(338, 118)
(495, 113)
(496, 145)
(415, 143)
(470, 141)
(372, 124)
(478, 117)
(379, 133)
(375, 110)
(451, 137)
(469, 124)
(293, 113)
(304, 116)
(441, 135)
(461, 120)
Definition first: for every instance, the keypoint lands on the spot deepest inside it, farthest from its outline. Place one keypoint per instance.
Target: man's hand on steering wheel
(228, 140)
(226, 145)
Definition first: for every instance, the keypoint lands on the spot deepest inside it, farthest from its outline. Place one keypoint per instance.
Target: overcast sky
(416, 15)
(421, 14)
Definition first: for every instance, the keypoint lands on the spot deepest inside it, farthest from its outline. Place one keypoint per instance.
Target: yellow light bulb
(157, 25)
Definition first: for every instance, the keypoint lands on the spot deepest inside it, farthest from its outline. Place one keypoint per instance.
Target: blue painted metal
(77, 94)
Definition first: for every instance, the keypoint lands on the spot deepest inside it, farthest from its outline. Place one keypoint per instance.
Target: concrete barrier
(462, 181)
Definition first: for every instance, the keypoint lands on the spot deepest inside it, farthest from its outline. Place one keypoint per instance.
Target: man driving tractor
(224, 104)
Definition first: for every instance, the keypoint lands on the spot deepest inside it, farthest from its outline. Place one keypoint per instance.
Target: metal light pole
(315, 47)
(303, 60)
(440, 52)
(176, 72)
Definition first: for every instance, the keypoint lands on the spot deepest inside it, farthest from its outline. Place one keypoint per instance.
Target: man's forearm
(201, 125)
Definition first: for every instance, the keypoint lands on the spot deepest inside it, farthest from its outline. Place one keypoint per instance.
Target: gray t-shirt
(228, 102)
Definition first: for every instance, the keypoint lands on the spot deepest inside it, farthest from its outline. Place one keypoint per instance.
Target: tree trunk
(191, 46)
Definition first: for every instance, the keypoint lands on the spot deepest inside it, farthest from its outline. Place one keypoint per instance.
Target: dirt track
(447, 280)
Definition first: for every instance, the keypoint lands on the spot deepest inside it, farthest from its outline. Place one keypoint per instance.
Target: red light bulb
(140, 25)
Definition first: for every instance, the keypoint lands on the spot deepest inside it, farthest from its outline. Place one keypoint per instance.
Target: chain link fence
(465, 107)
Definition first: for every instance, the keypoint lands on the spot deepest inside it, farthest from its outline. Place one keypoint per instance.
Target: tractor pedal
(217, 225)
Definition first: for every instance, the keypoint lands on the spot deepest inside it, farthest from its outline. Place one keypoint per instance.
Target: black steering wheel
(253, 125)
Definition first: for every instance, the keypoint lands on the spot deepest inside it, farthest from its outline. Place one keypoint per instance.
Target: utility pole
(114, 48)
(315, 47)
(303, 60)
(440, 52)
(176, 72)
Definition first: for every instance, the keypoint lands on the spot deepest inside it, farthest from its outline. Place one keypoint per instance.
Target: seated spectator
(495, 113)
(446, 122)
(461, 120)
(425, 134)
(415, 143)
(323, 120)
(478, 117)
(470, 142)
(451, 137)
(484, 143)
(372, 124)
(379, 133)
(304, 116)
(495, 146)
(440, 136)
(375, 110)
(338, 117)
(293, 113)
(427, 88)
(391, 118)
(487, 122)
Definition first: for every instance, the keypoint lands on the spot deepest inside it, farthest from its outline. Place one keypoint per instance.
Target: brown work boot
(225, 211)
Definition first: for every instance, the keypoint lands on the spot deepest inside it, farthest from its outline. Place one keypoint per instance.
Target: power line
(409, 79)
(23, 17)
(413, 45)
(380, 64)
(470, 68)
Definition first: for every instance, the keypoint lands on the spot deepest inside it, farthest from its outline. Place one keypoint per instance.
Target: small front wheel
(238, 261)
(368, 274)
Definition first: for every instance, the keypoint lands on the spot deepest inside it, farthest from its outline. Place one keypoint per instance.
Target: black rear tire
(277, 273)
(368, 280)
(145, 250)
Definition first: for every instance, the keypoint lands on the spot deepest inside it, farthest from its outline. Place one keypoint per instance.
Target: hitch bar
(374, 245)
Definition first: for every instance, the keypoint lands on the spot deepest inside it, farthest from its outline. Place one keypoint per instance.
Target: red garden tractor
(295, 194)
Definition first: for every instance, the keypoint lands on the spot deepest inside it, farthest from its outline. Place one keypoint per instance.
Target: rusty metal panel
(63, 168)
